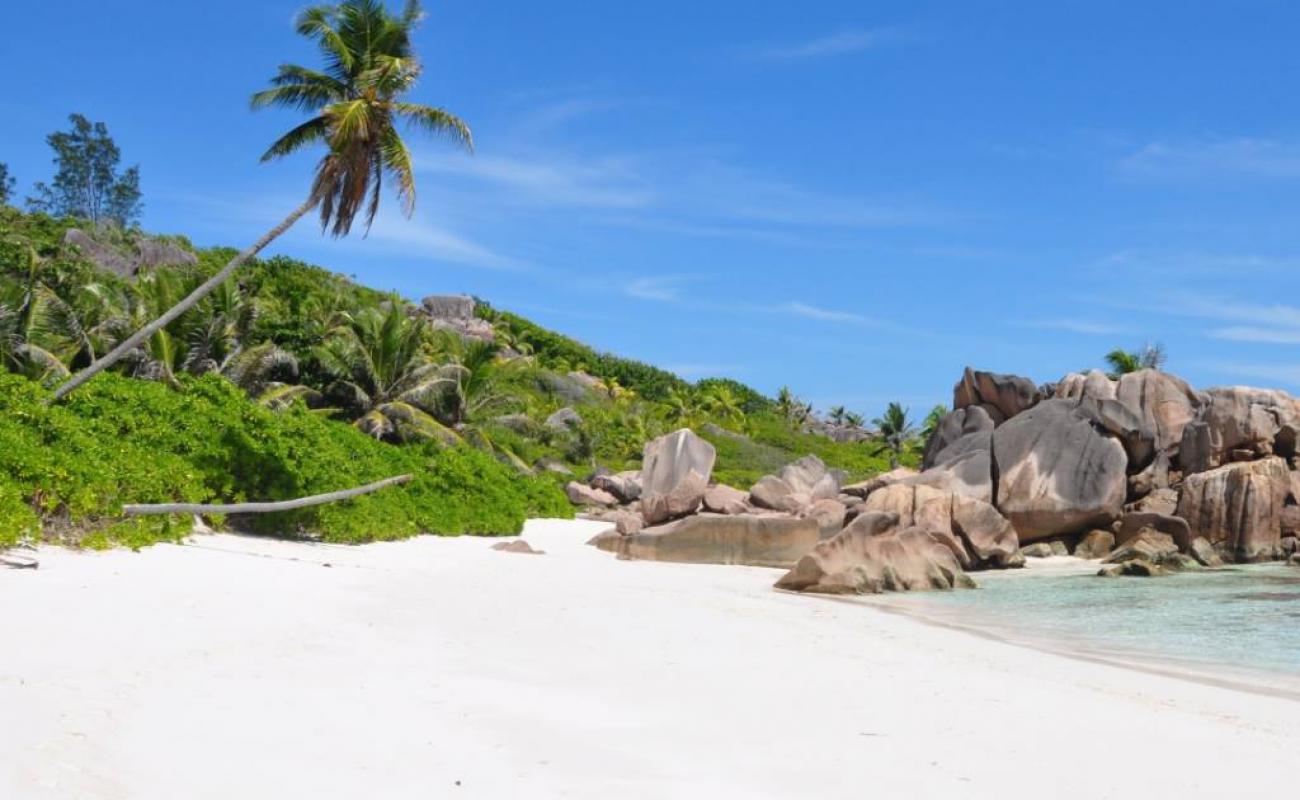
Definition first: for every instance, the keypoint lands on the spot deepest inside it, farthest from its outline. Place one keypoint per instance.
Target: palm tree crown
(357, 101)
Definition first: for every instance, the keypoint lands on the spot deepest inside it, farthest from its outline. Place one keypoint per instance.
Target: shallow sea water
(1239, 622)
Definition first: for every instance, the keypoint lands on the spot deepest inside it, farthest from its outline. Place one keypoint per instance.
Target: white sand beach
(431, 668)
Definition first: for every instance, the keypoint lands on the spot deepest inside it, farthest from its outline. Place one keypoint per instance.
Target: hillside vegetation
(291, 379)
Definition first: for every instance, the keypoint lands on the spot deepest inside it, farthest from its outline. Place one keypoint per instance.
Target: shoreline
(1219, 676)
(432, 666)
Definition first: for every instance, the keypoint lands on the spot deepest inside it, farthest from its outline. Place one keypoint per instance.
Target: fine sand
(432, 668)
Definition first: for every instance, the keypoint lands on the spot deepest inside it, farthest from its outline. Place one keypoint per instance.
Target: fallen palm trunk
(17, 561)
(261, 508)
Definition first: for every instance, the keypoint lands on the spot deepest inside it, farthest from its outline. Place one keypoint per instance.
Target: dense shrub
(771, 443)
(68, 469)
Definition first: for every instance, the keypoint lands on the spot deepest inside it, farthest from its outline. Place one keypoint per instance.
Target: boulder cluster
(1142, 471)
(1092, 464)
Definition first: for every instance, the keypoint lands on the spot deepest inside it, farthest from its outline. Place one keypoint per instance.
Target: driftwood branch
(261, 508)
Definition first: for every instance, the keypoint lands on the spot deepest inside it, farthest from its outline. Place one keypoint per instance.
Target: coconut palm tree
(722, 402)
(475, 387)
(893, 430)
(932, 421)
(1123, 362)
(370, 65)
(681, 406)
(383, 372)
(837, 415)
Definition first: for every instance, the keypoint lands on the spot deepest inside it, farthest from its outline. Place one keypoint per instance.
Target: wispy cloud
(606, 183)
(835, 44)
(419, 238)
(1278, 373)
(1077, 326)
(826, 314)
(1184, 263)
(663, 289)
(1239, 157)
(1248, 333)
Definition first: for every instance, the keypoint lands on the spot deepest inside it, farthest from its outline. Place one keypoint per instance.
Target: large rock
(625, 521)
(969, 474)
(989, 537)
(127, 252)
(954, 427)
(1161, 501)
(972, 529)
(760, 541)
(1237, 422)
(626, 486)
(865, 488)
(455, 313)
(723, 499)
(580, 494)
(796, 486)
(1078, 385)
(872, 555)
(776, 494)
(1126, 425)
(564, 420)
(1056, 472)
(683, 499)
(1164, 402)
(675, 471)
(1238, 507)
(829, 515)
(1095, 544)
(1002, 396)
(1149, 545)
(1134, 522)
(810, 476)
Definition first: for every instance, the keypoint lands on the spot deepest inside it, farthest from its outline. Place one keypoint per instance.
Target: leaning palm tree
(894, 430)
(370, 65)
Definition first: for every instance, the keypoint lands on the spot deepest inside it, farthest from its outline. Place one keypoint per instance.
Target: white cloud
(1248, 333)
(609, 183)
(1279, 373)
(661, 289)
(421, 239)
(836, 44)
(1077, 326)
(826, 314)
(1241, 157)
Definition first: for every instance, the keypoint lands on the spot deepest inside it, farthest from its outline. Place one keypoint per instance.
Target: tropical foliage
(87, 183)
(66, 470)
(1122, 362)
(289, 341)
(357, 101)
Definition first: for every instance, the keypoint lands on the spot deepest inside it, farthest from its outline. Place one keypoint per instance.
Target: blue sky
(855, 199)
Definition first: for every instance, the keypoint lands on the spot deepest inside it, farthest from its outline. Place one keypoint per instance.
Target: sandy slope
(244, 668)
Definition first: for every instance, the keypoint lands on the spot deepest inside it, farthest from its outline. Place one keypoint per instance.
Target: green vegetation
(896, 431)
(86, 182)
(6, 185)
(290, 341)
(1122, 362)
(66, 469)
(370, 66)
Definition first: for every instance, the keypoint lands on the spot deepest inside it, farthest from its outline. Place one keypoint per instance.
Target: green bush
(772, 443)
(66, 470)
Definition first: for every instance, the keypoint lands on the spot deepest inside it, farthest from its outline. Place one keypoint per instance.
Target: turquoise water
(1241, 622)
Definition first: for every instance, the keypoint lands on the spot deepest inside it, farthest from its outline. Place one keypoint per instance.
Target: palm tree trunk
(133, 341)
